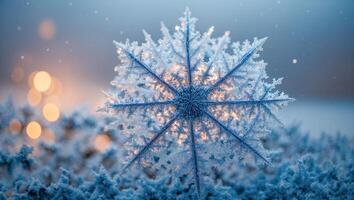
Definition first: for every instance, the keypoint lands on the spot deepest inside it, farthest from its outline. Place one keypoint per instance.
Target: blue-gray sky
(318, 34)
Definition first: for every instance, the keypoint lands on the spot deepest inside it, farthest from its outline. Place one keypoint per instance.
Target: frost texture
(70, 167)
(190, 103)
(6, 113)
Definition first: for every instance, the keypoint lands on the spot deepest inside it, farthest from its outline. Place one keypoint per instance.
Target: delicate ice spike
(154, 48)
(194, 156)
(187, 48)
(247, 102)
(204, 39)
(143, 104)
(166, 33)
(224, 40)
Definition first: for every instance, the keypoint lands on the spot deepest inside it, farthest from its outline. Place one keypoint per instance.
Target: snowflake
(191, 99)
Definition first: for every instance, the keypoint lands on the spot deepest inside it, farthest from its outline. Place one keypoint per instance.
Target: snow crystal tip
(146, 35)
(117, 44)
(291, 99)
(187, 11)
(262, 41)
(211, 30)
(163, 27)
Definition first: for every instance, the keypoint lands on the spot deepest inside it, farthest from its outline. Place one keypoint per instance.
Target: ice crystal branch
(190, 89)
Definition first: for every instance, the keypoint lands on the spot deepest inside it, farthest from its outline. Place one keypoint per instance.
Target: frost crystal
(191, 103)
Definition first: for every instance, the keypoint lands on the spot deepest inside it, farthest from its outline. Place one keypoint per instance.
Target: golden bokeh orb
(34, 130)
(51, 112)
(42, 81)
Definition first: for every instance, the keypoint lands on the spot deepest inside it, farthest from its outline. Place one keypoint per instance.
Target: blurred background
(58, 55)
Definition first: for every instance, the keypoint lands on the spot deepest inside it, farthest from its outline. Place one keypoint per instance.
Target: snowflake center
(191, 101)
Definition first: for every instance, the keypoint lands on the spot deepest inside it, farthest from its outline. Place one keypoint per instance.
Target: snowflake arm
(247, 102)
(151, 142)
(203, 41)
(187, 46)
(255, 120)
(253, 124)
(240, 63)
(134, 59)
(229, 131)
(270, 113)
(136, 105)
(194, 156)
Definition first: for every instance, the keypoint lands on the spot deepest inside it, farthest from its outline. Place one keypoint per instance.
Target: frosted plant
(190, 102)
(7, 112)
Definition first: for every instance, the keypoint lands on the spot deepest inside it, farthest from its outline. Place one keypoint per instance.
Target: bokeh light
(34, 97)
(17, 74)
(15, 126)
(102, 142)
(51, 112)
(42, 81)
(30, 78)
(47, 29)
(34, 130)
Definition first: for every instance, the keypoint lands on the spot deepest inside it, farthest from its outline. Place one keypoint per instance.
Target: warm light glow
(30, 79)
(102, 142)
(34, 130)
(15, 126)
(203, 136)
(46, 29)
(34, 97)
(51, 112)
(48, 136)
(17, 74)
(42, 81)
(55, 87)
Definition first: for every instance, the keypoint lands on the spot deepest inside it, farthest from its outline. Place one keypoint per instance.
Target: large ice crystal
(190, 103)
